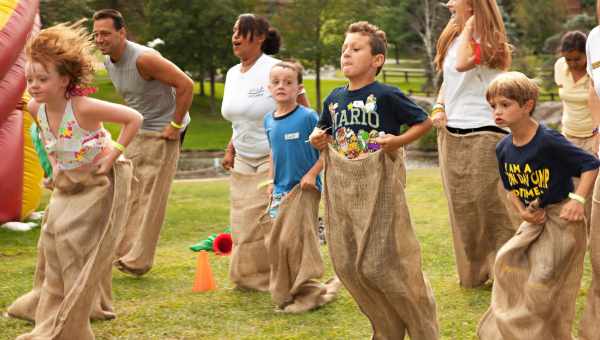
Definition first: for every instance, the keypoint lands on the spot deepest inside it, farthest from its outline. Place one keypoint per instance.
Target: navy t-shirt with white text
(542, 168)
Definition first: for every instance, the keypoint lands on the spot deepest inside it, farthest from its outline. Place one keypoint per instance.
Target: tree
(196, 34)
(527, 14)
(428, 18)
(53, 12)
(393, 18)
(313, 31)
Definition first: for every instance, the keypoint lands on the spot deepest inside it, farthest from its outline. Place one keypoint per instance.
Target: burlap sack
(480, 214)
(590, 321)
(537, 278)
(587, 144)
(25, 306)
(85, 215)
(293, 248)
(154, 164)
(373, 247)
(250, 223)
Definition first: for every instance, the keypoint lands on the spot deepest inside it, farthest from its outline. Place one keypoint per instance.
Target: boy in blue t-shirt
(293, 160)
(539, 269)
(293, 246)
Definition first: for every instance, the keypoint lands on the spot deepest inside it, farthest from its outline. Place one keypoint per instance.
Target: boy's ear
(530, 105)
(378, 60)
(300, 88)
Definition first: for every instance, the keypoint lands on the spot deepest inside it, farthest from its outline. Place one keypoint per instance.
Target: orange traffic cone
(204, 280)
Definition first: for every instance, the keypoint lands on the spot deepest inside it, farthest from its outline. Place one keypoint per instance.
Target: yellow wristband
(118, 146)
(177, 126)
(577, 198)
(264, 183)
(436, 110)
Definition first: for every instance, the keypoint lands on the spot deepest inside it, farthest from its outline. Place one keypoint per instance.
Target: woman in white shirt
(471, 51)
(246, 101)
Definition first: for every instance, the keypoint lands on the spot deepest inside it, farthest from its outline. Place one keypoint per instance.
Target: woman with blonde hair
(91, 180)
(471, 51)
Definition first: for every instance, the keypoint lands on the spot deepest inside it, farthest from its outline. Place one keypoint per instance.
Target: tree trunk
(202, 90)
(318, 65)
(425, 27)
(318, 81)
(213, 103)
(397, 52)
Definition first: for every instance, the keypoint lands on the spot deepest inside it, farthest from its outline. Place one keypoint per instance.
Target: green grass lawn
(161, 305)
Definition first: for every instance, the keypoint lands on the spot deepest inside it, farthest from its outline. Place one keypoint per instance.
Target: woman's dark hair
(573, 41)
(256, 25)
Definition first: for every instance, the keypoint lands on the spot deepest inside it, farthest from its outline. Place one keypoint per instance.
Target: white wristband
(577, 198)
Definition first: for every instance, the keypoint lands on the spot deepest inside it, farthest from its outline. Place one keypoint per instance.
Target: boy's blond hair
(377, 37)
(292, 65)
(515, 86)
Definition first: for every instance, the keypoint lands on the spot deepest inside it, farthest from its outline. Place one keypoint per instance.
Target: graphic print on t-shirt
(348, 143)
(356, 113)
(526, 182)
(256, 92)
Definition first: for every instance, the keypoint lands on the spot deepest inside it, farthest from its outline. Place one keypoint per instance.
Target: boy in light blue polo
(293, 160)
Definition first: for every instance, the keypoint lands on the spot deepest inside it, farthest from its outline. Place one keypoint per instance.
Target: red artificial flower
(223, 244)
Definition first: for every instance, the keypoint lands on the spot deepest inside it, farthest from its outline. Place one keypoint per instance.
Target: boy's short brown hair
(292, 65)
(515, 86)
(377, 37)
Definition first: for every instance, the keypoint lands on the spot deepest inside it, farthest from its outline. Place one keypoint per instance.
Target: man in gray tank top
(162, 93)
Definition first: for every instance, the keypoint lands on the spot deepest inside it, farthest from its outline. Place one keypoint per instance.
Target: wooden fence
(406, 74)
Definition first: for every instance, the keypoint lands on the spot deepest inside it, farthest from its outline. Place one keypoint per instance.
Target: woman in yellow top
(573, 85)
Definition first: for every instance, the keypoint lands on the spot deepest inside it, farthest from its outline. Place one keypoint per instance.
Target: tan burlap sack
(293, 248)
(85, 215)
(587, 144)
(250, 223)
(154, 164)
(25, 306)
(590, 321)
(373, 247)
(537, 278)
(480, 213)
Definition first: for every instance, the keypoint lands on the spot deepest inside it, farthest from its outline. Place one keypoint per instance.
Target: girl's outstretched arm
(92, 112)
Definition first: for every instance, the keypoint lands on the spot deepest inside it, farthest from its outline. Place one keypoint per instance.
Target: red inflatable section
(13, 36)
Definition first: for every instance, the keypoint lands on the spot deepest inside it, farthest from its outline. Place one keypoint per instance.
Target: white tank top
(464, 93)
